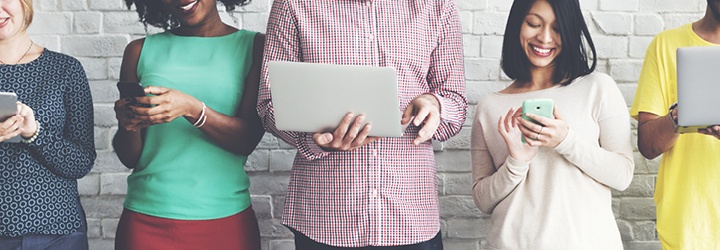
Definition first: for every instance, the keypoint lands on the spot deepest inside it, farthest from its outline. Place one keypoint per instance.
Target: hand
(713, 130)
(166, 105)
(29, 124)
(127, 119)
(346, 136)
(509, 130)
(426, 109)
(550, 132)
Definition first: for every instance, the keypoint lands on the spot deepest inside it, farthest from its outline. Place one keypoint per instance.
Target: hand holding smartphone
(541, 107)
(131, 89)
(8, 108)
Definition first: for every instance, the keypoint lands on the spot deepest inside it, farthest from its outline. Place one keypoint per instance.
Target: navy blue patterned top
(38, 181)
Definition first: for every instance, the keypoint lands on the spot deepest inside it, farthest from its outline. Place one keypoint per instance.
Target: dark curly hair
(154, 12)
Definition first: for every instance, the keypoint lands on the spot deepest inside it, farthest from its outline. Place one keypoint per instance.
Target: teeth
(189, 6)
(543, 51)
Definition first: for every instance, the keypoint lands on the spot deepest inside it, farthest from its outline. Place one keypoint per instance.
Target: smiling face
(190, 12)
(540, 36)
(12, 18)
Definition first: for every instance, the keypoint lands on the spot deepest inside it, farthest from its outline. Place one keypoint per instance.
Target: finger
(355, 128)
(407, 114)
(421, 115)
(322, 139)
(156, 90)
(540, 119)
(362, 138)
(501, 126)
(428, 130)
(509, 120)
(341, 130)
(556, 113)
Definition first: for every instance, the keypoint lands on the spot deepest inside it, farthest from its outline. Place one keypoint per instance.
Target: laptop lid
(314, 97)
(698, 83)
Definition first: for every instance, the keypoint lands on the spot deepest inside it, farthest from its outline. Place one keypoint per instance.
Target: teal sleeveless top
(181, 173)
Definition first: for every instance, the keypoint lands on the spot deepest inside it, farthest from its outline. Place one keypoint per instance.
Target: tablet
(314, 97)
(698, 82)
(8, 108)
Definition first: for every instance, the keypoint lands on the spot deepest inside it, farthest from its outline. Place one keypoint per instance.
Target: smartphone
(8, 108)
(130, 89)
(541, 107)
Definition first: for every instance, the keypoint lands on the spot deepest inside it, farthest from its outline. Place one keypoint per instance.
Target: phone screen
(130, 89)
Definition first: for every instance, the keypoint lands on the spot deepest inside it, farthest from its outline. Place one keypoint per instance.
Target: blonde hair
(27, 7)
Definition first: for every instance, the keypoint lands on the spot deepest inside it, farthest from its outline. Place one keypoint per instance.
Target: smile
(189, 7)
(541, 51)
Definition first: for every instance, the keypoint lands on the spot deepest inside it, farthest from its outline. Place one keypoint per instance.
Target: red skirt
(140, 231)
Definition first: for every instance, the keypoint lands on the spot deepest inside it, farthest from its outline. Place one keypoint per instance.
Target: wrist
(673, 116)
(30, 131)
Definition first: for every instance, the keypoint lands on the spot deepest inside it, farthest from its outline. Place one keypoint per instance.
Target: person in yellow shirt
(686, 190)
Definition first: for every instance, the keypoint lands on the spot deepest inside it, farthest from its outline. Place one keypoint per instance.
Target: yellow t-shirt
(687, 191)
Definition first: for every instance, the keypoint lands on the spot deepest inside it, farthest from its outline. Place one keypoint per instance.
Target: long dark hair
(571, 63)
(154, 12)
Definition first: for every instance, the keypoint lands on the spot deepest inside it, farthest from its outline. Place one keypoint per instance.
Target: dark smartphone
(130, 89)
(541, 107)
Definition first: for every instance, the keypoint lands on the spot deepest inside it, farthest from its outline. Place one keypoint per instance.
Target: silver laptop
(313, 97)
(698, 85)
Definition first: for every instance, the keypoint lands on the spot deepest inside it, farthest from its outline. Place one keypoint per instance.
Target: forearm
(656, 134)
(239, 135)
(128, 146)
(489, 190)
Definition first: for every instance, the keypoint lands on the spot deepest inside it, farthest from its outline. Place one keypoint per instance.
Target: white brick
(87, 22)
(500, 5)
(639, 45)
(89, 185)
(105, 115)
(109, 226)
(104, 91)
(114, 65)
(255, 21)
(281, 160)
(489, 23)
(619, 5)
(256, 6)
(613, 23)
(471, 45)
(259, 160)
(45, 5)
(466, 21)
(45, 23)
(472, 4)
(676, 20)
(51, 42)
(586, 5)
(611, 46)
(95, 68)
(648, 24)
(477, 90)
(95, 46)
(492, 46)
(467, 228)
(107, 5)
(482, 69)
(113, 183)
(72, 4)
(625, 70)
(102, 138)
(232, 19)
(122, 23)
(672, 5)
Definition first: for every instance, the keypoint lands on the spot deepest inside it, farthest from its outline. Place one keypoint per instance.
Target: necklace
(23, 56)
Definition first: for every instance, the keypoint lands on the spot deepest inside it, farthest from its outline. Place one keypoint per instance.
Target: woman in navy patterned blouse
(39, 202)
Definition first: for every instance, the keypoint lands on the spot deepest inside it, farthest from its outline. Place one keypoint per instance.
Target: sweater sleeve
(70, 152)
(492, 184)
(610, 162)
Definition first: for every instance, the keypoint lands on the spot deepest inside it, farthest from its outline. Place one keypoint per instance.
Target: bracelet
(670, 113)
(204, 118)
(33, 137)
(198, 123)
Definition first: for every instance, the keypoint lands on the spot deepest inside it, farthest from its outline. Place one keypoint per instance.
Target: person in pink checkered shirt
(348, 190)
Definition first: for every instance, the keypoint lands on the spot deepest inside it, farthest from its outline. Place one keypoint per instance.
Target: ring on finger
(541, 128)
(537, 136)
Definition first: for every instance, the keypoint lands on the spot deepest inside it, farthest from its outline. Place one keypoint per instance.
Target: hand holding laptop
(423, 109)
(350, 134)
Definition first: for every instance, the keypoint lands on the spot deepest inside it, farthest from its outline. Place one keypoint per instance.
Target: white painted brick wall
(96, 32)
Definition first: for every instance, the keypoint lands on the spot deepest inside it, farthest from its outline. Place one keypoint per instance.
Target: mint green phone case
(541, 107)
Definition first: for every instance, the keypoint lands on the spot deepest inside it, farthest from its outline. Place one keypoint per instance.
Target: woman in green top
(188, 189)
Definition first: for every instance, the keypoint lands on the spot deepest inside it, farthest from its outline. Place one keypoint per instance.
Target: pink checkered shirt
(384, 193)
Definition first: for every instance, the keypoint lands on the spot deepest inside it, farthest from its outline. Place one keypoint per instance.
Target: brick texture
(96, 32)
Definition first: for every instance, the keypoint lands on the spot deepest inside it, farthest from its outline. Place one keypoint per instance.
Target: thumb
(407, 115)
(155, 90)
(322, 138)
(556, 113)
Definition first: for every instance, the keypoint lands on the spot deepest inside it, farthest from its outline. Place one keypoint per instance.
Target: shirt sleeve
(70, 152)
(282, 44)
(649, 96)
(611, 163)
(446, 77)
(492, 184)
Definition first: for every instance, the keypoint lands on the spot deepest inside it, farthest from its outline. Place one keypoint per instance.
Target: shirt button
(374, 153)
(374, 193)
(367, 3)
